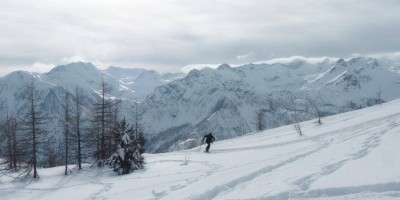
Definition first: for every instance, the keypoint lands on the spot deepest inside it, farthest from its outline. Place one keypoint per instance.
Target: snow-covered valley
(352, 155)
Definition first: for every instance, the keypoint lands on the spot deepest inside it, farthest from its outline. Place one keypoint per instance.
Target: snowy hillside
(129, 85)
(225, 100)
(352, 155)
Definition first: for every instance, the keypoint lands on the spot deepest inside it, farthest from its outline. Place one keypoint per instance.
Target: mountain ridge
(180, 107)
(344, 84)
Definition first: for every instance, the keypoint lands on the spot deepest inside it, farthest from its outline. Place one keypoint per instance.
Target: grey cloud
(169, 35)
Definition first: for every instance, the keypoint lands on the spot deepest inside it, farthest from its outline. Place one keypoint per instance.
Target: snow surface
(353, 155)
(225, 99)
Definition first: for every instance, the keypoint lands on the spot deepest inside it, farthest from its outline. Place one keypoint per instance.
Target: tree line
(98, 136)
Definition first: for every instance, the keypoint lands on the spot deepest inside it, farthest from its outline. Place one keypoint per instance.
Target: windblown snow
(353, 155)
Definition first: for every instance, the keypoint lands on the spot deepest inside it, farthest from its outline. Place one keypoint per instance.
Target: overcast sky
(168, 34)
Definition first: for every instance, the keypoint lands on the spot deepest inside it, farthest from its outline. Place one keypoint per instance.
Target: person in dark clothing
(209, 139)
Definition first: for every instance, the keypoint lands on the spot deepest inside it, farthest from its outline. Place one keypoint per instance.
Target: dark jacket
(209, 138)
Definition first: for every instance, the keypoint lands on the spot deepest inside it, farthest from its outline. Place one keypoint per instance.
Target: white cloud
(35, 67)
(66, 60)
(291, 59)
(313, 60)
(246, 56)
(392, 56)
(170, 34)
(40, 67)
(188, 68)
(76, 58)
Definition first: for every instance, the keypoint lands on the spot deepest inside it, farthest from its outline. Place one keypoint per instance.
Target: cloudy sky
(168, 34)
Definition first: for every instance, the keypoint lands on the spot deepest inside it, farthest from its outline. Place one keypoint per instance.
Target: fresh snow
(353, 155)
(223, 100)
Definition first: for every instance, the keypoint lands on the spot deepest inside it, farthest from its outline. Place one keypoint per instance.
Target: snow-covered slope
(225, 100)
(130, 85)
(222, 100)
(352, 155)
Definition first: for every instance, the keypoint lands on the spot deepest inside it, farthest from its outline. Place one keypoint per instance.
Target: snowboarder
(209, 139)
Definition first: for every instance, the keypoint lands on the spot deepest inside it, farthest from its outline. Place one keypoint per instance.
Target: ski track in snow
(275, 164)
(303, 183)
(210, 194)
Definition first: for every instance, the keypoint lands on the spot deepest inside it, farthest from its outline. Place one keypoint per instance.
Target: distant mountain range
(224, 100)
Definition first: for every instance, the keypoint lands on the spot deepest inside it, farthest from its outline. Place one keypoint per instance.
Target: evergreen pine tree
(128, 156)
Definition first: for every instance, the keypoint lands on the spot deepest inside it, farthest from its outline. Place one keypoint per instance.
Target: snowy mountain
(140, 81)
(353, 155)
(130, 85)
(224, 100)
(177, 107)
(126, 83)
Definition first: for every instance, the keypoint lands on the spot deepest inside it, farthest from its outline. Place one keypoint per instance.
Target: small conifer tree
(128, 156)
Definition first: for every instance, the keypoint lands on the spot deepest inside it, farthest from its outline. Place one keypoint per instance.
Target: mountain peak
(194, 73)
(224, 67)
(75, 67)
(341, 60)
(21, 75)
